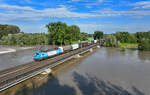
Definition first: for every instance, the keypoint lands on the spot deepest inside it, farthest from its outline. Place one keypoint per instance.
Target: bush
(98, 34)
(126, 37)
(111, 41)
(144, 45)
(22, 39)
(8, 29)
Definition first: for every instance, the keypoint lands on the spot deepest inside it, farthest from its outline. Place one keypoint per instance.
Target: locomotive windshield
(37, 54)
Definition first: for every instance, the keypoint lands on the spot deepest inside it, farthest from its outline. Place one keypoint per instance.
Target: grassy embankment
(129, 45)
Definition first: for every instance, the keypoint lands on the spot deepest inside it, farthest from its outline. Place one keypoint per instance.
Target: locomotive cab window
(37, 54)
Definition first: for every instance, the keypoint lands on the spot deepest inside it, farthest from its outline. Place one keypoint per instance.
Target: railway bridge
(15, 75)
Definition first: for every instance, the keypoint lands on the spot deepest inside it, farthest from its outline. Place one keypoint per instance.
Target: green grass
(129, 45)
(75, 42)
(90, 39)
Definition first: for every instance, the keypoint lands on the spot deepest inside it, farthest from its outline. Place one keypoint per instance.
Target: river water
(105, 71)
(21, 56)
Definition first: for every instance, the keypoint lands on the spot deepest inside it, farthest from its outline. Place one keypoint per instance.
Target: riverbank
(9, 49)
(129, 45)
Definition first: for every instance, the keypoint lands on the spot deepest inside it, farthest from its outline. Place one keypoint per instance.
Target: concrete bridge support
(98, 46)
(91, 50)
(77, 56)
(47, 71)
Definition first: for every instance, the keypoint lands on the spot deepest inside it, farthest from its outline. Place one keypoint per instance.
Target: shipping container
(75, 46)
(67, 48)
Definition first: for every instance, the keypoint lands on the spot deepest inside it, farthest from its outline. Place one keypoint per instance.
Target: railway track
(12, 74)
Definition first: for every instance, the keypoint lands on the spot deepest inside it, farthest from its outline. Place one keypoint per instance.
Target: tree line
(140, 38)
(8, 29)
(59, 33)
(62, 34)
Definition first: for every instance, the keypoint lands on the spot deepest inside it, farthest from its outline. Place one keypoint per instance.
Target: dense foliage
(111, 41)
(8, 29)
(22, 39)
(60, 33)
(86, 36)
(144, 45)
(126, 37)
(98, 34)
(143, 40)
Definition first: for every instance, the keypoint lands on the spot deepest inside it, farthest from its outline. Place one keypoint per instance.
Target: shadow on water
(93, 86)
(86, 84)
(51, 87)
(23, 91)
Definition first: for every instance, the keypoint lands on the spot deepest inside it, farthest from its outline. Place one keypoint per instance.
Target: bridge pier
(91, 50)
(47, 71)
(98, 46)
(77, 56)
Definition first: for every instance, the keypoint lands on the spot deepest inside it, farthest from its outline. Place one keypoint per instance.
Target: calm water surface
(19, 57)
(106, 71)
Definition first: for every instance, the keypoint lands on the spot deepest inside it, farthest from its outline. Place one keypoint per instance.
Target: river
(19, 57)
(105, 71)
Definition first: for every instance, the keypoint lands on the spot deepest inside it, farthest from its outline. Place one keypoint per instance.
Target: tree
(132, 38)
(142, 36)
(111, 41)
(22, 39)
(56, 32)
(122, 37)
(60, 33)
(8, 29)
(143, 39)
(98, 34)
(144, 45)
(73, 33)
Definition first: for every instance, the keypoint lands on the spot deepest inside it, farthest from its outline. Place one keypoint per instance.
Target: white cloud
(13, 12)
(112, 13)
(141, 4)
(112, 28)
(28, 13)
(90, 4)
(10, 7)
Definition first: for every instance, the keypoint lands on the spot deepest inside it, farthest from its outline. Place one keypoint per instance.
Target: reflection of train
(46, 54)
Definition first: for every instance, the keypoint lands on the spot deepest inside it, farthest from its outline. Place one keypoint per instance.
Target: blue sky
(109, 16)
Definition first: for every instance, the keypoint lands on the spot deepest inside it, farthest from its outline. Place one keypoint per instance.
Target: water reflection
(19, 57)
(108, 71)
(93, 86)
(53, 87)
(88, 85)
(13, 59)
(31, 86)
(144, 55)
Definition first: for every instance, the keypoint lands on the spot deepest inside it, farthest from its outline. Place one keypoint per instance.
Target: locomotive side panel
(51, 53)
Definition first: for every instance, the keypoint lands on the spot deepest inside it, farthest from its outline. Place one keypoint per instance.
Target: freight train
(41, 55)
